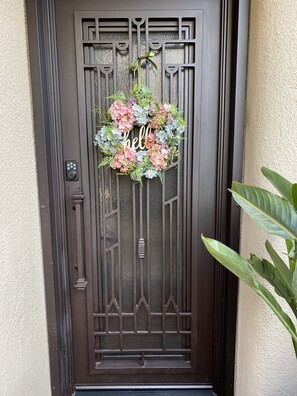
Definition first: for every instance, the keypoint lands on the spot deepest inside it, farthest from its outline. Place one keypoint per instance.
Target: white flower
(151, 173)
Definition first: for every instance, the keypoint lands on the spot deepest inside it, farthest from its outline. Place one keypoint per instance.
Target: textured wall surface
(265, 361)
(24, 366)
(266, 365)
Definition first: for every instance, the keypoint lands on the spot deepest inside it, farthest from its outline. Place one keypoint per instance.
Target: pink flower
(122, 116)
(124, 159)
(170, 119)
(157, 121)
(152, 109)
(150, 140)
(117, 110)
(158, 155)
(131, 101)
(163, 108)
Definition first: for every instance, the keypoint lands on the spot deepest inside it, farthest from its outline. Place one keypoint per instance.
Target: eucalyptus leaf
(271, 212)
(282, 185)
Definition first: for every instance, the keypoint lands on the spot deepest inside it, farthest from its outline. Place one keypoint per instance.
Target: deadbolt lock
(71, 169)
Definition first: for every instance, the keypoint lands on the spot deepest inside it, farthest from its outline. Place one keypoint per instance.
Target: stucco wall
(24, 366)
(265, 361)
(266, 365)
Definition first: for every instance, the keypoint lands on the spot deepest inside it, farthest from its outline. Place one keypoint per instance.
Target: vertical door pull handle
(141, 248)
(81, 282)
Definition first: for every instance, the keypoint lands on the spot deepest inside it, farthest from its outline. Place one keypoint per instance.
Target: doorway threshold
(145, 392)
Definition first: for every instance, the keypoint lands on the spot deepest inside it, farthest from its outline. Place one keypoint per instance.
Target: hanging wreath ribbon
(140, 136)
(135, 66)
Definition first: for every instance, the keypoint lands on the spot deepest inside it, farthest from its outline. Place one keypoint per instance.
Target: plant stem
(139, 74)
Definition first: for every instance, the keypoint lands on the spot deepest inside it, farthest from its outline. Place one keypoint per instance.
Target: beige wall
(266, 365)
(265, 362)
(24, 366)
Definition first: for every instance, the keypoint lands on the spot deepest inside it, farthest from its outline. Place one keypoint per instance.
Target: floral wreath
(159, 128)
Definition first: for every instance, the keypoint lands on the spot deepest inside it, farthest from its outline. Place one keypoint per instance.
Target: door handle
(141, 248)
(81, 282)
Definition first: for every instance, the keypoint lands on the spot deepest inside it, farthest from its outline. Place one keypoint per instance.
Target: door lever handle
(77, 199)
(141, 248)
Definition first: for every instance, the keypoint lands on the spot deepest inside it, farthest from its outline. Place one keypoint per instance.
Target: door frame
(46, 109)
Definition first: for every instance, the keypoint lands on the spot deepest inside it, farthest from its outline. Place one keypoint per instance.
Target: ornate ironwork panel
(140, 306)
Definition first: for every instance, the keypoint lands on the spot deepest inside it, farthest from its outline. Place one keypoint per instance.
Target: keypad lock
(71, 168)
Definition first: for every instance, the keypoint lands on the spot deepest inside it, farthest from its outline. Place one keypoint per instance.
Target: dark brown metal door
(140, 318)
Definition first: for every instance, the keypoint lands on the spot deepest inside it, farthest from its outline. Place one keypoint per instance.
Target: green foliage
(142, 95)
(283, 186)
(106, 161)
(173, 110)
(277, 215)
(294, 196)
(103, 118)
(120, 95)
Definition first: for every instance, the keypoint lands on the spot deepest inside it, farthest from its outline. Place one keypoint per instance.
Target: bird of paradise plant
(277, 215)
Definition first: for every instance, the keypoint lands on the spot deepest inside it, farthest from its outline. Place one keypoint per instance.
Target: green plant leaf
(280, 265)
(294, 283)
(241, 268)
(292, 253)
(277, 309)
(231, 260)
(265, 269)
(105, 161)
(294, 195)
(295, 346)
(282, 185)
(280, 277)
(271, 212)
(120, 95)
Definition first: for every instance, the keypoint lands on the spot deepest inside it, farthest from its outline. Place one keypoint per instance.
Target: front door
(142, 287)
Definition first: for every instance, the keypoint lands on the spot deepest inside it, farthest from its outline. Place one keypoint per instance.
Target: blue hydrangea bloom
(151, 173)
(169, 130)
(117, 136)
(140, 154)
(107, 138)
(179, 128)
(161, 137)
(140, 114)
